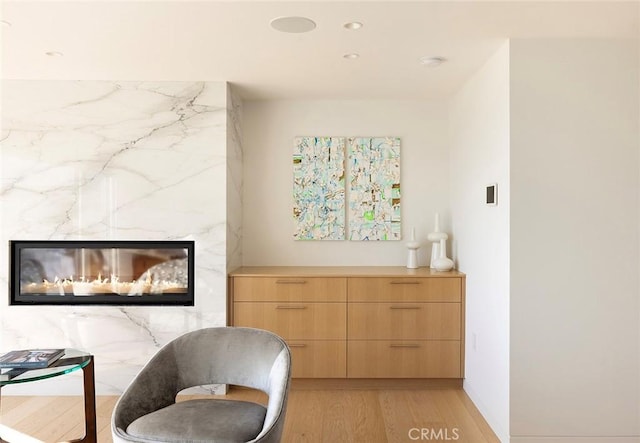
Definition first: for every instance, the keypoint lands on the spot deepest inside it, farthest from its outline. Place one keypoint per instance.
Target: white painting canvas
(319, 188)
(374, 188)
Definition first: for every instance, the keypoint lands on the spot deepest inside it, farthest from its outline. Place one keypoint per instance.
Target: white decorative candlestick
(413, 246)
(435, 237)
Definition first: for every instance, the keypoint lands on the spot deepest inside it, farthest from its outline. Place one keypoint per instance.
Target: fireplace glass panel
(102, 272)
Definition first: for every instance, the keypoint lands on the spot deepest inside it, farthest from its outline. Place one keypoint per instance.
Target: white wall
(479, 136)
(269, 130)
(113, 160)
(575, 368)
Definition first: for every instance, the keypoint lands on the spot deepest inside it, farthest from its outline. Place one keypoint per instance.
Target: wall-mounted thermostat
(492, 194)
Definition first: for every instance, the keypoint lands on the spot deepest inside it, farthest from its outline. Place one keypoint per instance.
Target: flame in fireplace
(107, 285)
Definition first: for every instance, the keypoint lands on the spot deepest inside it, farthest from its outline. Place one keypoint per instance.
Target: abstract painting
(374, 190)
(319, 188)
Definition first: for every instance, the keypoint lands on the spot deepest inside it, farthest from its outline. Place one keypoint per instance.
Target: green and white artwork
(319, 188)
(374, 190)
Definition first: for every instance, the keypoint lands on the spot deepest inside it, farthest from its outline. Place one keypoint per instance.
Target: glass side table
(71, 361)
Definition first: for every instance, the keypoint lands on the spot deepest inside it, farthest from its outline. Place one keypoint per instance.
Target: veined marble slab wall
(113, 160)
(234, 180)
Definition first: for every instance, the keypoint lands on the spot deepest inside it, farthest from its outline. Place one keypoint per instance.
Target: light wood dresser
(357, 322)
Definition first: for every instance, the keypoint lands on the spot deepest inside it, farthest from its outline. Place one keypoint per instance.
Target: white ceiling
(232, 41)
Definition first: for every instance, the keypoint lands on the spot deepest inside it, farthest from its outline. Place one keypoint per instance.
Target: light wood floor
(328, 415)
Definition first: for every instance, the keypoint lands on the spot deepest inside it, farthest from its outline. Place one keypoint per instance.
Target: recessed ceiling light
(5, 23)
(351, 56)
(431, 61)
(54, 53)
(353, 25)
(294, 25)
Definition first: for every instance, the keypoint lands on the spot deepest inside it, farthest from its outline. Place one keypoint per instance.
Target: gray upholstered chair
(148, 412)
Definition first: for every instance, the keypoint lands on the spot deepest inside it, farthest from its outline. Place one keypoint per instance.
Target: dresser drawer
(398, 321)
(403, 359)
(319, 289)
(320, 321)
(318, 358)
(404, 289)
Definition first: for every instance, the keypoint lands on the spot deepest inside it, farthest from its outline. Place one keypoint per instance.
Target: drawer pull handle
(290, 307)
(291, 282)
(404, 282)
(297, 345)
(404, 307)
(396, 345)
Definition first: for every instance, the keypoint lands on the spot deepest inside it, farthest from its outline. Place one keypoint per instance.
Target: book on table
(30, 358)
(11, 373)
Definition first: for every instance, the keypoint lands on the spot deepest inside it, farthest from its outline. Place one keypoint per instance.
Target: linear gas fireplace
(102, 273)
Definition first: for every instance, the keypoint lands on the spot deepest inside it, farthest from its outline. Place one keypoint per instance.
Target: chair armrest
(155, 387)
(279, 380)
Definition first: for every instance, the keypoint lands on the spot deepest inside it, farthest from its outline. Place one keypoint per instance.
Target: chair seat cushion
(206, 420)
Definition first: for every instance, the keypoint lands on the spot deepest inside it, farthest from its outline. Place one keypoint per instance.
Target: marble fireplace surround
(91, 160)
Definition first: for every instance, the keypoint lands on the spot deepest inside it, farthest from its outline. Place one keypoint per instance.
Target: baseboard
(375, 383)
(502, 434)
(584, 439)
